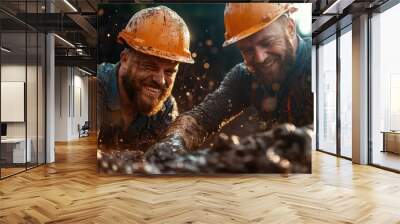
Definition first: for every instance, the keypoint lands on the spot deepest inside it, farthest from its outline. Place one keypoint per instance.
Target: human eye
(247, 51)
(266, 43)
(169, 72)
(148, 66)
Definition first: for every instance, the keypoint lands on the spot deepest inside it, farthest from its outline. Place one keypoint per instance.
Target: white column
(50, 92)
(360, 90)
(62, 103)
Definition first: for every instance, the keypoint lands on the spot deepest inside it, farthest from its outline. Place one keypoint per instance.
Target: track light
(5, 50)
(65, 41)
(337, 7)
(84, 71)
(70, 5)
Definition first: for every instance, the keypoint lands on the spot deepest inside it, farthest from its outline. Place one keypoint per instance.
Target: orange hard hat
(244, 19)
(160, 32)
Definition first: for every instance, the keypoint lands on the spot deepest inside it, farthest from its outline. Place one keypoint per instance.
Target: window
(385, 89)
(346, 92)
(327, 96)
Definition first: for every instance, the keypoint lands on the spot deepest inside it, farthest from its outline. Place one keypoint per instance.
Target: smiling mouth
(269, 63)
(151, 91)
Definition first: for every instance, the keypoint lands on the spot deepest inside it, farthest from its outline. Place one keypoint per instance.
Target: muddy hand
(166, 149)
(284, 149)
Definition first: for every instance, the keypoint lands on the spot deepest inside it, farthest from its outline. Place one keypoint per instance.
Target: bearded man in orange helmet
(275, 78)
(136, 92)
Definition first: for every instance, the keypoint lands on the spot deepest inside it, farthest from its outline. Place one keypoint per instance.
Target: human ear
(123, 58)
(291, 28)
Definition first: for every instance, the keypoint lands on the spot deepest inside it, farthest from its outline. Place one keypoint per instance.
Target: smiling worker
(275, 78)
(136, 92)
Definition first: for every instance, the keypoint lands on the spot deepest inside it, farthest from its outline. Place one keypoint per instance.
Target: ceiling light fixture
(84, 71)
(5, 50)
(70, 5)
(331, 7)
(65, 41)
(337, 7)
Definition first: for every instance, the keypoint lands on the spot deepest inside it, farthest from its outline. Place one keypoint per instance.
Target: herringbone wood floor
(70, 191)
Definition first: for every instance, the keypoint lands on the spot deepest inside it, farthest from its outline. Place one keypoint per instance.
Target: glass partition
(14, 68)
(22, 77)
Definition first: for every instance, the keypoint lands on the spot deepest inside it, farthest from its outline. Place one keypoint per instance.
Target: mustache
(131, 86)
(268, 61)
(154, 84)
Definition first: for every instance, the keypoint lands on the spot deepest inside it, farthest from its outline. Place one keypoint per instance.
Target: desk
(391, 141)
(13, 150)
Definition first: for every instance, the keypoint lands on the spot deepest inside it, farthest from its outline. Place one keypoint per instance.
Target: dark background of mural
(206, 26)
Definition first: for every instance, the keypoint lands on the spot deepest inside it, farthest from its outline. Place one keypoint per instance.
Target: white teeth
(270, 63)
(152, 89)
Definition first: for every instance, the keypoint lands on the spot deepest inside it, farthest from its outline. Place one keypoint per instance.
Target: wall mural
(204, 88)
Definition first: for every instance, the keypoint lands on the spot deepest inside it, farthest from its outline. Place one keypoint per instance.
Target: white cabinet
(16, 147)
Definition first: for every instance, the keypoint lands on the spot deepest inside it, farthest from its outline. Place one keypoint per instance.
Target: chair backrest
(86, 125)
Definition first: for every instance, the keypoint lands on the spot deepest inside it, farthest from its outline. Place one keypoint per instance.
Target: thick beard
(129, 86)
(133, 88)
(149, 110)
(286, 62)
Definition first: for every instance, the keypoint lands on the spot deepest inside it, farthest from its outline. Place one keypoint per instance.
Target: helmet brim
(123, 37)
(252, 30)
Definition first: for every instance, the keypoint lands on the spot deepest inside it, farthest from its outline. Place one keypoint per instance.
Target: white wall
(33, 127)
(71, 93)
(61, 103)
(81, 112)
(16, 72)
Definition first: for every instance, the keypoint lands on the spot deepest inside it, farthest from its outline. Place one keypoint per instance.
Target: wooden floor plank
(71, 191)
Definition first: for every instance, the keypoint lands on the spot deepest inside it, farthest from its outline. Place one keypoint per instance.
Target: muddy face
(270, 52)
(147, 80)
